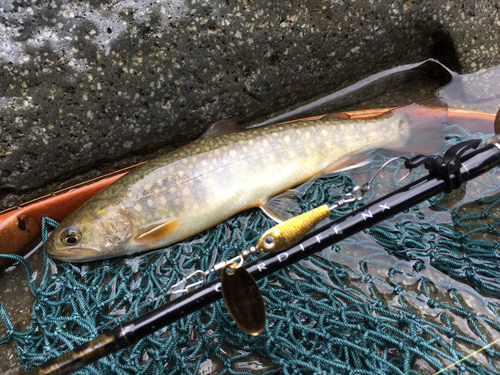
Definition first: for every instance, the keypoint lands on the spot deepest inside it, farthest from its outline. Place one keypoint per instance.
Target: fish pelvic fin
(423, 129)
(157, 231)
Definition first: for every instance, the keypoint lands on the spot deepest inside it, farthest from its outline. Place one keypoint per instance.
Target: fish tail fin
(423, 126)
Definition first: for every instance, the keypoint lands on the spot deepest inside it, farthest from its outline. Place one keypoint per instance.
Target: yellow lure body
(288, 233)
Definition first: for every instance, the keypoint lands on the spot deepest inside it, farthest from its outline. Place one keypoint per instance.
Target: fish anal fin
(346, 163)
(155, 232)
(282, 207)
(287, 204)
(228, 125)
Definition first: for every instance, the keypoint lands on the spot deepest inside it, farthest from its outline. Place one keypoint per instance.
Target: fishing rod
(445, 174)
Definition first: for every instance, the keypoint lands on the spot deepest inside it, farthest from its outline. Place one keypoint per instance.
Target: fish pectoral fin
(283, 206)
(155, 232)
(346, 163)
(228, 125)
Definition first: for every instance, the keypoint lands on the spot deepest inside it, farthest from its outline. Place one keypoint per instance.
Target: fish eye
(70, 236)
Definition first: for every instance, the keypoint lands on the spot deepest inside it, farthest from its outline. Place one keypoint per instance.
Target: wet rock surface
(83, 83)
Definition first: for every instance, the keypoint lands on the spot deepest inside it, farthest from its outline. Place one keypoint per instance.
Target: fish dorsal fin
(283, 206)
(228, 125)
(155, 232)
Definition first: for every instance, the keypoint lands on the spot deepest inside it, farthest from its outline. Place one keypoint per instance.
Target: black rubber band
(447, 165)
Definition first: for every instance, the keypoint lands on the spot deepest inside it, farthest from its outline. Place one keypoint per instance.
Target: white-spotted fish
(203, 183)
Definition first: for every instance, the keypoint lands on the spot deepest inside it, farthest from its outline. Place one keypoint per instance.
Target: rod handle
(78, 357)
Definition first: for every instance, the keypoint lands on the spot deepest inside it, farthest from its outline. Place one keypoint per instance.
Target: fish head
(91, 232)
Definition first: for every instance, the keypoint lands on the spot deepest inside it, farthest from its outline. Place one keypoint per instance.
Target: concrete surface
(82, 83)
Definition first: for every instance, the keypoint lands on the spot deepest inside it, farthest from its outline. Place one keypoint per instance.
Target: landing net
(409, 296)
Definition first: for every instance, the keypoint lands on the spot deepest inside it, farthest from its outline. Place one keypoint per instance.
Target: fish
(229, 170)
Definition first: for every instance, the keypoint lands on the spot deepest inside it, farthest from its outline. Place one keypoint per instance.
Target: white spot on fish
(217, 152)
(150, 203)
(204, 163)
(324, 132)
(159, 181)
(308, 135)
(250, 142)
(138, 208)
(177, 202)
(186, 192)
(265, 142)
(287, 139)
(232, 153)
(180, 173)
(163, 200)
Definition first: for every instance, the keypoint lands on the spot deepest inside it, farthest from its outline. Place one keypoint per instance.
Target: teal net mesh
(408, 296)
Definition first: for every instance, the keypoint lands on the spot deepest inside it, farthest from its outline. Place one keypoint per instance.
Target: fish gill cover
(409, 296)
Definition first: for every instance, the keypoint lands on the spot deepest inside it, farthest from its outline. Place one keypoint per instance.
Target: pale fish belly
(204, 189)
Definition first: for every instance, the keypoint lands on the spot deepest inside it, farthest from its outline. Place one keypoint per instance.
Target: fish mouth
(72, 254)
(84, 255)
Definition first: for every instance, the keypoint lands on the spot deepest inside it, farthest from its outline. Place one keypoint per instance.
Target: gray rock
(83, 83)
